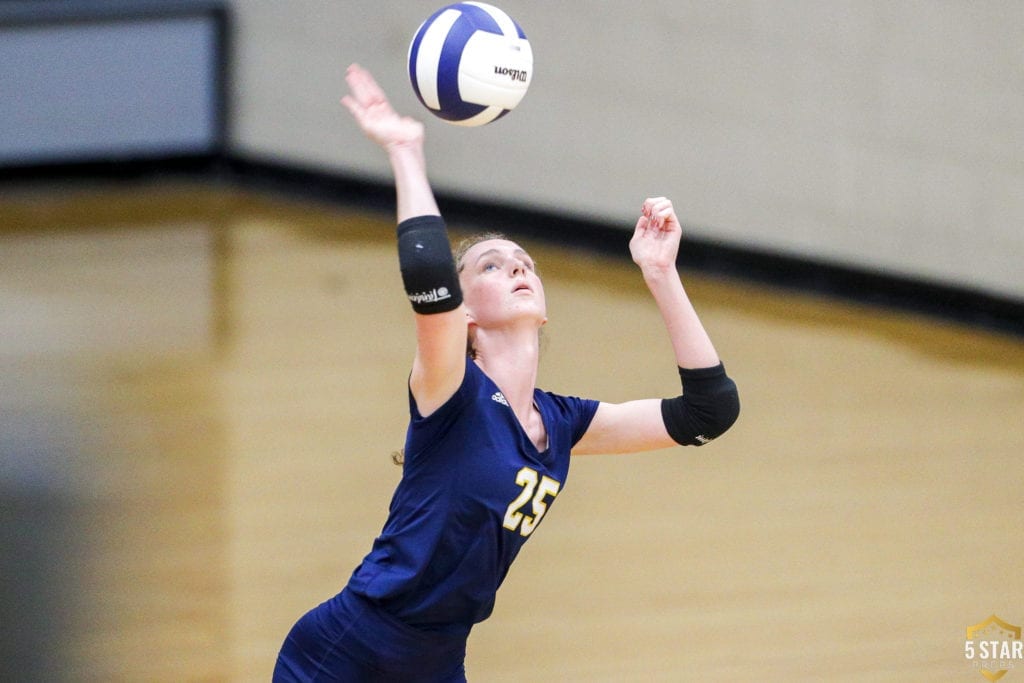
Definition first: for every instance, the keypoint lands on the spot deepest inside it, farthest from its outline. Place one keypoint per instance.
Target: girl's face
(500, 284)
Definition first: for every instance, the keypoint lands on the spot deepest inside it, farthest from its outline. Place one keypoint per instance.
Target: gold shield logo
(994, 646)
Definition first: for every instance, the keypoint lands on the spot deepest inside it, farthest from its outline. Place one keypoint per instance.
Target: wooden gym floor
(202, 387)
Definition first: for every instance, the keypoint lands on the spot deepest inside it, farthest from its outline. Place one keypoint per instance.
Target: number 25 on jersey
(537, 488)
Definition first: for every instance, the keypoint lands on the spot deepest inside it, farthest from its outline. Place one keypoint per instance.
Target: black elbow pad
(709, 405)
(428, 268)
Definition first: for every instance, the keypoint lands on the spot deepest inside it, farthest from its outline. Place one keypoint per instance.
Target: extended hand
(375, 115)
(655, 242)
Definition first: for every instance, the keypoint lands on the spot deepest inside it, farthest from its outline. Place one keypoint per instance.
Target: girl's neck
(511, 361)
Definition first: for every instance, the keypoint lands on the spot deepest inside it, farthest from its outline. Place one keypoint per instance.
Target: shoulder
(574, 412)
(468, 390)
(567, 403)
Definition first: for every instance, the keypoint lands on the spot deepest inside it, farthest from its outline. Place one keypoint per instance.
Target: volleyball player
(486, 451)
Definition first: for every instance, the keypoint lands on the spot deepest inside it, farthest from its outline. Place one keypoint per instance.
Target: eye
(489, 266)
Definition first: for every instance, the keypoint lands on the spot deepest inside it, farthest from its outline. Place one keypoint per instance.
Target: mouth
(522, 287)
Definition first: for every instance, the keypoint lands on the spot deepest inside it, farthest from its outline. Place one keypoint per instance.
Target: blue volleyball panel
(414, 50)
(478, 17)
(452, 106)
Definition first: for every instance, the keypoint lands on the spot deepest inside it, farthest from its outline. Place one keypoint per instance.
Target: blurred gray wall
(886, 135)
(879, 134)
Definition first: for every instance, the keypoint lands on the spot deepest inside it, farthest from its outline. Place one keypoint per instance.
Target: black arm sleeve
(709, 405)
(428, 267)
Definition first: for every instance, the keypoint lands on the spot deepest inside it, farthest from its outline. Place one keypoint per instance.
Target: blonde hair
(467, 243)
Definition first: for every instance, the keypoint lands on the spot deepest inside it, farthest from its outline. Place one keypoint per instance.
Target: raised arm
(655, 247)
(709, 404)
(428, 271)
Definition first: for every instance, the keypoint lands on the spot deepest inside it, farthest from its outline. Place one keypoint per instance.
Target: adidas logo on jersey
(499, 398)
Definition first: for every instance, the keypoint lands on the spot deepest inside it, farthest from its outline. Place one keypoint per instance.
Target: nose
(518, 267)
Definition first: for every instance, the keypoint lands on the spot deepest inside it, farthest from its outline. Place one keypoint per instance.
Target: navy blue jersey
(473, 489)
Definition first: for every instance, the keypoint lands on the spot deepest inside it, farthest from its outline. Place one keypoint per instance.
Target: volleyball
(470, 63)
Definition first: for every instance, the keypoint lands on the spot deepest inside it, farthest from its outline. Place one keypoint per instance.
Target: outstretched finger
(350, 103)
(364, 88)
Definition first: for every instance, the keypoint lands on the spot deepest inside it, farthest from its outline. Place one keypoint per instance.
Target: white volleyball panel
(495, 70)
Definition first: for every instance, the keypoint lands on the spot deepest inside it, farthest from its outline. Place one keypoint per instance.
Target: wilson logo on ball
(470, 63)
(514, 74)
